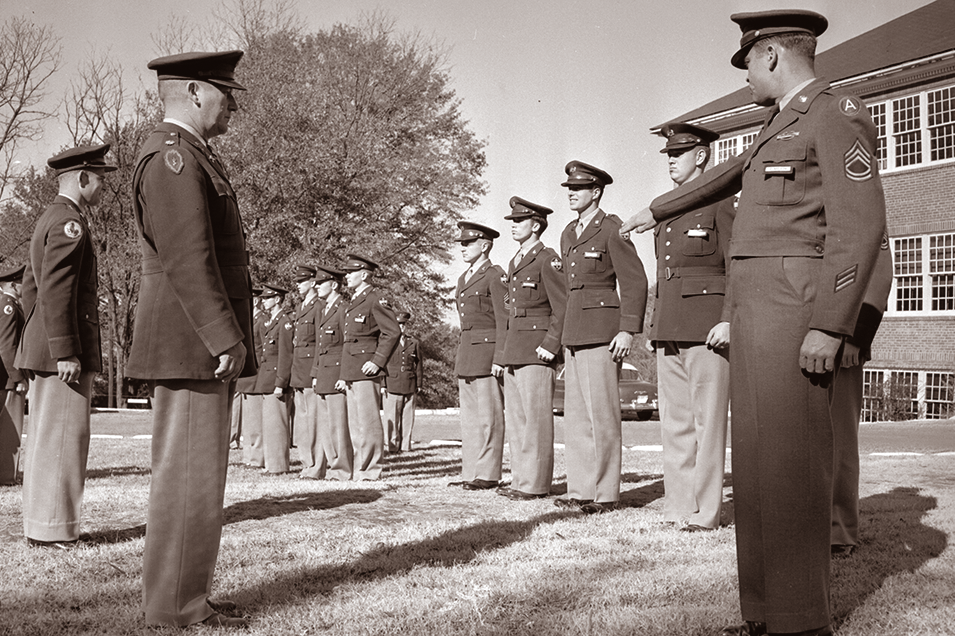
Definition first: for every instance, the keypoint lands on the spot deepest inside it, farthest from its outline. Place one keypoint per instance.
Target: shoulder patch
(8, 309)
(858, 162)
(504, 279)
(73, 229)
(288, 326)
(850, 106)
(885, 240)
(384, 302)
(173, 160)
(556, 264)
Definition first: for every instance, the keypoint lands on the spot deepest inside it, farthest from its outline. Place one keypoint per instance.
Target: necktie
(517, 258)
(580, 228)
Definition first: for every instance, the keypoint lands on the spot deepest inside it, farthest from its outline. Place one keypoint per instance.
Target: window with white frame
(939, 395)
(873, 383)
(728, 147)
(901, 395)
(924, 274)
(915, 129)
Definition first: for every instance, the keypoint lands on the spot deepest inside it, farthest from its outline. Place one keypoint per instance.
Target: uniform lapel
(591, 230)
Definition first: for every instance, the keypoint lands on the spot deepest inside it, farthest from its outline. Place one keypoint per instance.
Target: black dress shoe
(456, 484)
(60, 545)
(219, 620)
(696, 528)
(575, 504)
(519, 495)
(749, 628)
(598, 508)
(480, 484)
(221, 604)
(840, 551)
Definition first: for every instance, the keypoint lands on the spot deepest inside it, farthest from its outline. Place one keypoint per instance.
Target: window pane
(906, 129)
(873, 396)
(877, 111)
(939, 395)
(941, 124)
(941, 265)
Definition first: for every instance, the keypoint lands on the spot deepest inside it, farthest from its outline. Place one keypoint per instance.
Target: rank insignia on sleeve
(8, 310)
(173, 160)
(849, 106)
(73, 229)
(846, 278)
(556, 264)
(858, 163)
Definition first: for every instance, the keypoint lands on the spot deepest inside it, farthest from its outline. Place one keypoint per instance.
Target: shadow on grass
(261, 508)
(893, 540)
(116, 471)
(421, 463)
(451, 548)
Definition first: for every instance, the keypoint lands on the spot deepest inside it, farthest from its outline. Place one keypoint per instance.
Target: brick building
(904, 70)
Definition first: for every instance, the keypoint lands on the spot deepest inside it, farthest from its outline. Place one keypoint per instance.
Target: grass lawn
(408, 555)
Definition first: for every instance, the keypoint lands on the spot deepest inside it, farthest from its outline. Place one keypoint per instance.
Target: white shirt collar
(182, 124)
(788, 97)
(75, 202)
(585, 220)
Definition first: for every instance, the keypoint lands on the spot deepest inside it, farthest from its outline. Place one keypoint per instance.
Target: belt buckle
(669, 273)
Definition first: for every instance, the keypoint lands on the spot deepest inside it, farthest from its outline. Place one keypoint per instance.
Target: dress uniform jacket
(329, 342)
(536, 295)
(194, 302)
(275, 370)
(303, 343)
(483, 314)
(59, 293)
(11, 327)
(370, 332)
(405, 370)
(692, 262)
(593, 264)
(806, 238)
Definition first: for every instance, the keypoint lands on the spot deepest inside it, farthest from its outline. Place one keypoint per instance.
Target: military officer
(537, 294)
(12, 381)
(272, 381)
(60, 347)
(303, 359)
(597, 335)
(331, 405)
(193, 332)
(847, 407)
(690, 331)
(405, 375)
(370, 334)
(480, 297)
(806, 237)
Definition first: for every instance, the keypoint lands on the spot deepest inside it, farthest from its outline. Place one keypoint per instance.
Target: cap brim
(739, 58)
(228, 83)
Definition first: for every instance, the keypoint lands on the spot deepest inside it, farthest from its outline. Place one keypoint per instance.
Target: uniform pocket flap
(703, 285)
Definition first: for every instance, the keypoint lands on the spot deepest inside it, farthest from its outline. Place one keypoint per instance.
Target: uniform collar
(788, 97)
(192, 131)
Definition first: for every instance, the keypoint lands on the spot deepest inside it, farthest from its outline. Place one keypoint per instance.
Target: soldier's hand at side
(278, 391)
(370, 368)
(22, 387)
(231, 363)
(639, 222)
(850, 355)
(719, 336)
(620, 346)
(68, 369)
(341, 386)
(497, 371)
(818, 352)
(544, 354)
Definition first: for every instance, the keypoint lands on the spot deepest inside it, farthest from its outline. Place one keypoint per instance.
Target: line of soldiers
(517, 325)
(320, 378)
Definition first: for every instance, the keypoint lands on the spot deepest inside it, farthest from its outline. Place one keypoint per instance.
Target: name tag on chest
(697, 233)
(361, 318)
(784, 170)
(592, 255)
(530, 285)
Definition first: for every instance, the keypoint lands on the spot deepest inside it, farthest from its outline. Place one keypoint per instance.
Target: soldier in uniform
(193, 332)
(272, 382)
(370, 334)
(405, 374)
(806, 238)
(537, 294)
(597, 335)
(60, 347)
(12, 381)
(303, 359)
(331, 405)
(690, 332)
(480, 297)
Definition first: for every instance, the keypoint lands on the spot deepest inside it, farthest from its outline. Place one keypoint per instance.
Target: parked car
(638, 399)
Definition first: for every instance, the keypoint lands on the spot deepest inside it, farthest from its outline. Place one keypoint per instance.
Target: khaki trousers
(252, 450)
(275, 432)
(190, 457)
(482, 428)
(694, 384)
(846, 412)
(332, 421)
(398, 422)
(529, 422)
(310, 451)
(11, 435)
(58, 443)
(592, 432)
(364, 428)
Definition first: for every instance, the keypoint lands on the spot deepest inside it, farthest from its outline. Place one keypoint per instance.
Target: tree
(29, 56)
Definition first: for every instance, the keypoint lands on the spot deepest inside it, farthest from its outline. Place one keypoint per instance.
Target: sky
(542, 82)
